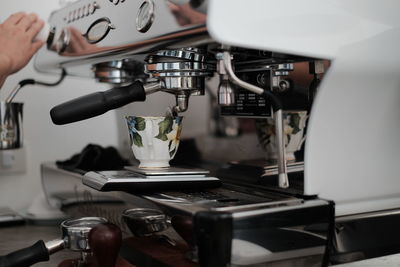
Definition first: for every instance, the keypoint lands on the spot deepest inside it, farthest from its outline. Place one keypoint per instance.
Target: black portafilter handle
(98, 103)
(38, 252)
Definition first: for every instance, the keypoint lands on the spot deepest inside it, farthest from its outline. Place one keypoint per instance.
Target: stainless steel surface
(220, 199)
(125, 41)
(152, 87)
(246, 204)
(145, 16)
(75, 232)
(182, 104)
(13, 93)
(11, 133)
(284, 206)
(369, 215)
(98, 30)
(62, 42)
(191, 85)
(227, 58)
(191, 54)
(168, 171)
(226, 94)
(144, 221)
(183, 68)
(128, 181)
(282, 163)
(54, 246)
(179, 73)
(119, 71)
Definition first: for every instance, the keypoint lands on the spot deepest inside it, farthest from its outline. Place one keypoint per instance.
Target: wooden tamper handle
(183, 225)
(105, 241)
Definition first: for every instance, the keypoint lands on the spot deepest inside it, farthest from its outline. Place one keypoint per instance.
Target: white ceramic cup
(294, 123)
(154, 140)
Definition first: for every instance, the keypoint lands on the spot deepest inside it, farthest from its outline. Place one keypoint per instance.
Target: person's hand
(17, 45)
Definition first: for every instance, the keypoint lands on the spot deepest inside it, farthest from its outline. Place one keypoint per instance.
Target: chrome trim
(303, 205)
(54, 246)
(175, 66)
(188, 54)
(144, 28)
(76, 231)
(368, 215)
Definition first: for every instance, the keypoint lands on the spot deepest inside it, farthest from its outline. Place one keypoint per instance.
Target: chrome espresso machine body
(310, 212)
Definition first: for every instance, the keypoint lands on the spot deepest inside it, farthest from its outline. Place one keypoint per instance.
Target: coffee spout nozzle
(182, 103)
(226, 94)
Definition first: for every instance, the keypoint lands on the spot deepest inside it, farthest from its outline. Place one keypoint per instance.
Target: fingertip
(20, 13)
(15, 18)
(36, 46)
(41, 23)
(34, 16)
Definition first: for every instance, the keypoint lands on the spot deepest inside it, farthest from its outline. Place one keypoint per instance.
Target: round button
(98, 30)
(62, 41)
(145, 16)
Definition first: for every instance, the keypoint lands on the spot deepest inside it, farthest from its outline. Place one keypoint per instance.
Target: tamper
(105, 241)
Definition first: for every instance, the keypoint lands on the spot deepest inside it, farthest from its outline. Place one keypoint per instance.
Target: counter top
(17, 237)
(386, 261)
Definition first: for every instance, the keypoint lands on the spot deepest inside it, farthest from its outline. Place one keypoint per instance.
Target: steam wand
(225, 68)
(22, 83)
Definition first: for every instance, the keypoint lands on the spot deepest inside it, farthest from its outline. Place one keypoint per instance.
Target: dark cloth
(94, 158)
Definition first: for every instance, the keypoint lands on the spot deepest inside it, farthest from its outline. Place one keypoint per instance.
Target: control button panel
(81, 12)
(116, 2)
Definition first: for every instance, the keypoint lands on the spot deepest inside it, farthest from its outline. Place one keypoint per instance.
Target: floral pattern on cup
(144, 142)
(135, 124)
(170, 130)
(294, 123)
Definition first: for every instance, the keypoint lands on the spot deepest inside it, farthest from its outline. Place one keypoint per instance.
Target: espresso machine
(331, 205)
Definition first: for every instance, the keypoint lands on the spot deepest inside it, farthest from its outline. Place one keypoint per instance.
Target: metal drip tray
(266, 168)
(135, 180)
(220, 199)
(170, 171)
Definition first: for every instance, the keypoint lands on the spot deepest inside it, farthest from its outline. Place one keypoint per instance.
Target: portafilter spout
(182, 73)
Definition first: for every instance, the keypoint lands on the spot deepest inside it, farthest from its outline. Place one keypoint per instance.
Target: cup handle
(303, 125)
(301, 142)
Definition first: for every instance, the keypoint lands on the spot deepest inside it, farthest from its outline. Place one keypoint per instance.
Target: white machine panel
(353, 143)
(310, 28)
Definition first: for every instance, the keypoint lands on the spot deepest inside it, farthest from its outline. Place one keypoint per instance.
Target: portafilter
(79, 235)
